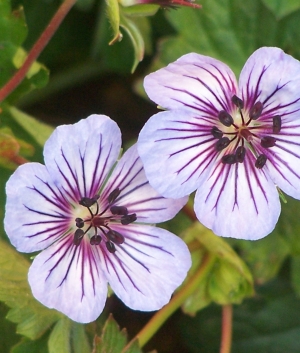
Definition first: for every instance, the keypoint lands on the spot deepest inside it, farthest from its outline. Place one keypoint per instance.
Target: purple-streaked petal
(284, 166)
(177, 150)
(195, 82)
(273, 78)
(147, 268)
(37, 213)
(69, 279)
(80, 156)
(136, 193)
(238, 201)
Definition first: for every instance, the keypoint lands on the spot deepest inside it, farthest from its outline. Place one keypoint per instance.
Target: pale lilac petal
(284, 168)
(148, 267)
(273, 78)
(177, 150)
(136, 193)
(195, 82)
(80, 156)
(238, 201)
(37, 213)
(69, 279)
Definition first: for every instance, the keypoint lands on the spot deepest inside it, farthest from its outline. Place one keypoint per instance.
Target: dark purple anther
(261, 161)
(115, 237)
(78, 235)
(216, 132)
(95, 240)
(237, 101)
(79, 222)
(222, 143)
(113, 195)
(110, 247)
(276, 124)
(229, 159)
(240, 154)
(119, 210)
(267, 141)
(255, 111)
(128, 219)
(225, 118)
(88, 202)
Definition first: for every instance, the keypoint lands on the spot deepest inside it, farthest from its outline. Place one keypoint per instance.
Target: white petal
(80, 156)
(176, 148)
(273, 78)
(195, 82)
(37, 214)
(136, 193)
(284, 166)
(148, 267)
(238, 201)
(69, 279)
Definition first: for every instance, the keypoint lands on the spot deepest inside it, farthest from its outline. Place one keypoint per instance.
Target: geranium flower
(91, 225)
(235, 143)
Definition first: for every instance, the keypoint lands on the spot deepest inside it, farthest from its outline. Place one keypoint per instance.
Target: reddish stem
(226, 329)
(37, 48)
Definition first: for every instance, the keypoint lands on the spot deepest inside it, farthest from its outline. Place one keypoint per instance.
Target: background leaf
(32, 318)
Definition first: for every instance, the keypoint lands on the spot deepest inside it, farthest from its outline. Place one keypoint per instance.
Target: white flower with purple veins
(235, 143)
(91, 224)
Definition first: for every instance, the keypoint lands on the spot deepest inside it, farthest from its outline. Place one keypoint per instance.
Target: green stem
(37, 48)
(226, 329)
(161, 316)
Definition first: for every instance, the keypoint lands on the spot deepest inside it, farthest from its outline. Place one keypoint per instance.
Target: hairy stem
(37, 48)
(226, 329)
(161, 316)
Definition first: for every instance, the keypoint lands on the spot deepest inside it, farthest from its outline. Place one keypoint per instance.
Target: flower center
(99, 221)
(236, 133)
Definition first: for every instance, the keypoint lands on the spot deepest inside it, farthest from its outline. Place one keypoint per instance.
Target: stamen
(119, 210)
(256, 110)
(79, 222)
(240, 154)
(222, 143)
(267, 141)
(110, 247)
(78, 235)
(229, 159)
(113, 195)
(237, 101)
(225, 118)
(128, 219)
(115, 237)
(216, 132)
(95, 240)
(276, 124)
(261, 161)
(88, 202)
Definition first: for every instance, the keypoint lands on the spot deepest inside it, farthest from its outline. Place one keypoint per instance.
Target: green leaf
(282, 8)
(80, 341)
(33, 318)
(130, 25)
(113, 340)
(13, 31)
(60, 337)
(38, 130)
(269, 322)
(28, 346)
(113, 14)
(228, 281)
